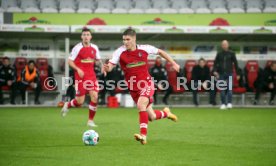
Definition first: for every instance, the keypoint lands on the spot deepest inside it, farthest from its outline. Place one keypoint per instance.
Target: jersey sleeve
(75, 52)
(151, 49)
(116, 56)
(98, 55)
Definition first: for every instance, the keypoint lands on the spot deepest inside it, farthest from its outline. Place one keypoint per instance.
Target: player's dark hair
(86, 30)
(31, 62)
(6, 58)
(129, 32)
(201, 59)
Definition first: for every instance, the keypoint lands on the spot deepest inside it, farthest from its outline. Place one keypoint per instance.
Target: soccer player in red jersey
(133, 61)
(82, 60)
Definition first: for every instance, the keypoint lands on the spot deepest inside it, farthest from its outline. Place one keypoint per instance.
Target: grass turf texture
(39, 136)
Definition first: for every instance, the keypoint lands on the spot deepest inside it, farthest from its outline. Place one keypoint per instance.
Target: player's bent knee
(141, 107)
(80, 101)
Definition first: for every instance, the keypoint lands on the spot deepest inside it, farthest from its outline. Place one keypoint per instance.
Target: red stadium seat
(42, 66)
(236, 87)
(251, 69)
(189, 65)
(5, 88)
(19, 63)
(172, 78)
(210, 64)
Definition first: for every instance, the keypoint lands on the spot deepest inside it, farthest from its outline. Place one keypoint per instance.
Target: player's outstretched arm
(108, 67)
(169, 59)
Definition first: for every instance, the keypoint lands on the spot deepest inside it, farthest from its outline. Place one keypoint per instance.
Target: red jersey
(84, 58)
(135, 65)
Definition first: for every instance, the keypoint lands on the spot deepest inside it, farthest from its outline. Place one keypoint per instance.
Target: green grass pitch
(40, 136)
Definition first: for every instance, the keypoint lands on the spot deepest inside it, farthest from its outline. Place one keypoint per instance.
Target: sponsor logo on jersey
(135, 64)
(87, 60)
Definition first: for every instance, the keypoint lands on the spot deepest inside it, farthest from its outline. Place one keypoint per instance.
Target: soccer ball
(90, 137)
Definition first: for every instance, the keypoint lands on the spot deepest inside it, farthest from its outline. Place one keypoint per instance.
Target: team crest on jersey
(92, 52)
(140, 54)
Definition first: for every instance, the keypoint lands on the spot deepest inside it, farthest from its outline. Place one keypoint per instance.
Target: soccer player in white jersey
(133, 59)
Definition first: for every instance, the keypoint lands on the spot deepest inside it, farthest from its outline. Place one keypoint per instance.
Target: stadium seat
(237, 89)
(236, 86)
(189, 65)
(158, 6)
(253, 6)
(169, 11)
(172, 78)
(217, 6)
(85, 6)
(140, 6)
(122, 6)
(104, 6)
(182, 6)
(210, 64)
(270, 6)
(42, 66)
(10, 6)
(29, 6)
(49, 6)
(200, 6)
(67, 6)
(19, 64)
(251, 73)
(235, 6)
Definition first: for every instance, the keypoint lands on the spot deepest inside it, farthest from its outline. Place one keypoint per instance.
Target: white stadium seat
(270, 6)
(104, 6)
(253, 6)
(152, 11)
(30, 6)
(200, 6)
(122, 6)
(163, 6)
(49, 6)
(218, 6)
(136, 11)
(140, 6)
(235, 6)
(181, 6)
(169, 11)
(67, 6)
(85, 6)
(10, 6)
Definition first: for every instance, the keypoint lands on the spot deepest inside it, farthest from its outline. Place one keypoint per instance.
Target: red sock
(160, 114)
(92, 110)
(143, 118)
(73, 103)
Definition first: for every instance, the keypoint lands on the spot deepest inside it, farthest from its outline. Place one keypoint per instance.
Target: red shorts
(87, 83)
(146, 92)
(84, 86)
